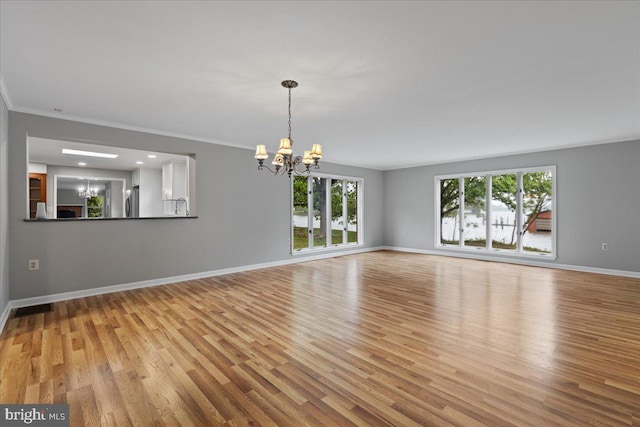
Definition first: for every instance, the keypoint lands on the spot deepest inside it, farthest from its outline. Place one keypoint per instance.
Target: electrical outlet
(605, 246)
(34, 264)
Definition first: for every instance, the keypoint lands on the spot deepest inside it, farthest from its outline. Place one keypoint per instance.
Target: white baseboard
(44, 299)
(529, 262)
(25, 302)
(5, 316)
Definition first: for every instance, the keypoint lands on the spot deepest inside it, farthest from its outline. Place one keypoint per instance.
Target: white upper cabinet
(175, 179)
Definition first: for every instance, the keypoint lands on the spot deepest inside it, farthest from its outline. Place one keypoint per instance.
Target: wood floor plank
(380, 338)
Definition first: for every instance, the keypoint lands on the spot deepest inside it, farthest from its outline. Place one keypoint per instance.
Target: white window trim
(359, 207)
(519, 252)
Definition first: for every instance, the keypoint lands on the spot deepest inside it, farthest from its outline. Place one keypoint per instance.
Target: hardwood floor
(381, 338)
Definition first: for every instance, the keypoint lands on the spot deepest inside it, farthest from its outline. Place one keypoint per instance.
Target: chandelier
(284, 161)
(88, 192)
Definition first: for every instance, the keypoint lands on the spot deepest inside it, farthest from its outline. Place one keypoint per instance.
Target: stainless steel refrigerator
(132, 204)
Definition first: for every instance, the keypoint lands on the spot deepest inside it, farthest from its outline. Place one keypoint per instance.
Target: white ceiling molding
(63, 116)
(5, 94)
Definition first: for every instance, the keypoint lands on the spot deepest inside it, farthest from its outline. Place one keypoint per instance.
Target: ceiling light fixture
(88, 153)
(284, 160)
(88, 192)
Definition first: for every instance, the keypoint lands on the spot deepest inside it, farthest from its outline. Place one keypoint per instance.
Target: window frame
(329, 245)
(488, 249)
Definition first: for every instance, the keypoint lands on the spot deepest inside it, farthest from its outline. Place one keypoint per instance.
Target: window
(325, 211)
(94, 207)
(351, 199)
(300, 213)
(537, 212)
(508, 212)
(475, 211)
(319, 193)
(449, 211)
(504, 189)
(337, 212)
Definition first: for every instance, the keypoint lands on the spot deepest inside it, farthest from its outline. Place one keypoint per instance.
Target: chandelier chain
(290, 114)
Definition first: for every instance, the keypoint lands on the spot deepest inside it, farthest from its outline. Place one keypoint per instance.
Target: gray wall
(4, 210)
(598, 200)
(243, 217)
(243, 214)
(69, 197)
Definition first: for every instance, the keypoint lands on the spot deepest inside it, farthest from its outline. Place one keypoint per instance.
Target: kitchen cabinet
(135, 177)
(175, 180)
(149, 192)
(37, 191)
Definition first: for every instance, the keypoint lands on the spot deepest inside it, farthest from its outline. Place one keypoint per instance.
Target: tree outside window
(312, 207)
(537, 211)
(517, 212)
(300, 213)
(94, 207)
(450, 211)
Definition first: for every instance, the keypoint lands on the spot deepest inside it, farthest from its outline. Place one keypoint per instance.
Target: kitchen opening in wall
(326, 211)
(80, 181)
(509, 212)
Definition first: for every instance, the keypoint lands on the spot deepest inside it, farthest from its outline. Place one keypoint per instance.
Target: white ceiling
(382, 84)
(78, 183)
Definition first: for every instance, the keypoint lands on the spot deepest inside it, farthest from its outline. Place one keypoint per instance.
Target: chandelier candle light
(284, 160)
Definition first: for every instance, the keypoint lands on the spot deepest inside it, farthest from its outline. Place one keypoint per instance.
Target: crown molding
(5, 94)
(80, 119)
(10, 106)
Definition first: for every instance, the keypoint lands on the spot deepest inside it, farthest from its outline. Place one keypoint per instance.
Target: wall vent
(33, 309)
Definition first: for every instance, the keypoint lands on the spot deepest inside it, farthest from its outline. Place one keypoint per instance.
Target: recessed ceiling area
(49, 152)
(382, 84)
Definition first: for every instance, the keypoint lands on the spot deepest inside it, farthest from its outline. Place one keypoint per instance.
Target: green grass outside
(301, 239)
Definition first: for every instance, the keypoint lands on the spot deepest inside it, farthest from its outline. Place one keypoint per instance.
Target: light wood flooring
(381, 338)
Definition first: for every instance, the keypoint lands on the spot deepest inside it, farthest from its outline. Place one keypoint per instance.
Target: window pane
(352, 212)
(337, 217)
(475, 211)
(94, 207)
(503, 211)
(449, 211)
(300, 213)
(319, 211)
(537, 212)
